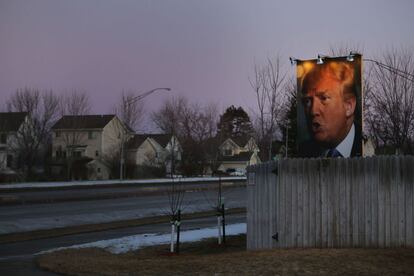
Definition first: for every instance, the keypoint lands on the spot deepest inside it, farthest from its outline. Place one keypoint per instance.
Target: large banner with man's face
(329, 107)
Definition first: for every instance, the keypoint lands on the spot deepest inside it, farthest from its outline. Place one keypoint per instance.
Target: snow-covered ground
(112, 182)
(130, 243)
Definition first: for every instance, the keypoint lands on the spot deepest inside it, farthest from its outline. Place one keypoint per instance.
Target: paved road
(21, 218)
(18, 258)
(43, 195)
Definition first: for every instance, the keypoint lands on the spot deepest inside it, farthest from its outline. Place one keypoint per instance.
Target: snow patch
(130, 243)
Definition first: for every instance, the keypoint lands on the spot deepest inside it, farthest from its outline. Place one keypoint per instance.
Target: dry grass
(207, 258)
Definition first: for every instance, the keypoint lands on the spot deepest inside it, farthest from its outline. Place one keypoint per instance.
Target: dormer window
(9, 160)
(228, 152)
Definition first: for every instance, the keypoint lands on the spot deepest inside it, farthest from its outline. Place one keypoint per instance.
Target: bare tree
(391, 103)
(200, 122)
(42, 110)
(75, 103)
(168, 117)
(344, 49)
(199, 127)
(267, 83)
(194, 125)
(129, 110)
(72, 105)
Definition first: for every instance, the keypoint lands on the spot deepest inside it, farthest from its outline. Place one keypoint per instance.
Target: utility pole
(123, 140)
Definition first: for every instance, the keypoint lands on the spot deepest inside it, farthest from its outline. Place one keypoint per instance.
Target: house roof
(83, 121)
(241, 157)
(138, 139)
(11, 121)
(241, 141)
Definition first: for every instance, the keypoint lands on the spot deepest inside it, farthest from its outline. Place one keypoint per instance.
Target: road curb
(58, 232)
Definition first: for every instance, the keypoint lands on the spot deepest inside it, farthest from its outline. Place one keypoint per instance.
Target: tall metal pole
(134, 100)
(121, 166)
(287, 138)
(223, 222)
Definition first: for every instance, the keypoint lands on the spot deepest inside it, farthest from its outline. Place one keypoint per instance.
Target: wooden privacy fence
(358, 202)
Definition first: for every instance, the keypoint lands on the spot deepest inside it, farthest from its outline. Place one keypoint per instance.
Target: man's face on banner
(329, 112)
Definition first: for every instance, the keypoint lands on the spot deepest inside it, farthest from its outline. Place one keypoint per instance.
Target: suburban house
(88, 145)
(11, 124)
(236, 154)
(154, 150)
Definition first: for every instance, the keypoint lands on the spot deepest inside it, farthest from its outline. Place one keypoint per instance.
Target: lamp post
(132, 101)
(145, 94)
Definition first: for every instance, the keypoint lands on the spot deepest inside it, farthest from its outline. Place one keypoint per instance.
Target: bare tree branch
(268, 86)
(391, 102)
(130, 111)
(34, 137)
(73, 104)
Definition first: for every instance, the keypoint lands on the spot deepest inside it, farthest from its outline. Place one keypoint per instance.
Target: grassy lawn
(207, 258)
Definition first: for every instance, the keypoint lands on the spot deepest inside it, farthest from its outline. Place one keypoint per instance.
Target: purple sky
(202, 49)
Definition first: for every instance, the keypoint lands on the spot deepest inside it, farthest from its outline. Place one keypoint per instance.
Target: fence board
(359, 202)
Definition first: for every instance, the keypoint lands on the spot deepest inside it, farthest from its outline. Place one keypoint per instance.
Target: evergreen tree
(234, 122)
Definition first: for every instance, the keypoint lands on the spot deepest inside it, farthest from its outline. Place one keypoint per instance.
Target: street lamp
(145, 94)
(132, 101)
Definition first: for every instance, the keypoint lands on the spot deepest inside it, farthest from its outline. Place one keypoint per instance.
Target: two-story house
(237, 153)
(89, 142)
(154, 150)
(11, 124)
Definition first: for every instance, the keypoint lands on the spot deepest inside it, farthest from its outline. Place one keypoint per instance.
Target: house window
(60, 153)
(98, 170)
(3, 138)
(97, 153)
(57, 134)
(228, 152)
(77, 153)
(9, 160)
(91, 135)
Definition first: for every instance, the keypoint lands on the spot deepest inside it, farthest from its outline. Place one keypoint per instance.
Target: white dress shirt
(345, 147)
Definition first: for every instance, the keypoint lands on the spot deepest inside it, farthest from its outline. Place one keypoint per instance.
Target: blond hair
(341, 71)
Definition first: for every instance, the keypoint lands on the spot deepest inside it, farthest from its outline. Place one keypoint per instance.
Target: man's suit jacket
(312, 149)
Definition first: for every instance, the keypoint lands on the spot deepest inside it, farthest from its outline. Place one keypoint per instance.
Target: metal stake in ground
(223, 223)
(218, 210)
(172, 236)
(178, 231)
